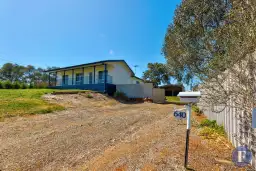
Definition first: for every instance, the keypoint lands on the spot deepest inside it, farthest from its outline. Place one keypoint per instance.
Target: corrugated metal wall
(136, 90)
(234, 127)
(158, 95)
(142, 91)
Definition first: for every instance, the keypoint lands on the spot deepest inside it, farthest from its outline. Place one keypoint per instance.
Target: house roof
(93, 63)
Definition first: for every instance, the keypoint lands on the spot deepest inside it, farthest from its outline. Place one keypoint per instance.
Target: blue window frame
(101, 76)
(65, 79)
(79, 78)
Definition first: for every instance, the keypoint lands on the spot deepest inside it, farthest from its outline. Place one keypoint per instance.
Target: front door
(102, 76)
(65, 79)
(90, 77)
(79, 78)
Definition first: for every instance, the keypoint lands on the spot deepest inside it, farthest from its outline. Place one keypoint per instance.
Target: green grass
(18, 102)
(174, 100)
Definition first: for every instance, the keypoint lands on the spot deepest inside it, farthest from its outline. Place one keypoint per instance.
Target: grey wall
(142, 91)
(136, 90)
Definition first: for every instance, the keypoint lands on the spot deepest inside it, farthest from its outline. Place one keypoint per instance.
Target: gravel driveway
(102, 134)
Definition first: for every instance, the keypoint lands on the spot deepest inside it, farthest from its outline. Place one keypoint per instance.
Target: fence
(136, 90)
(142, 91)
(158, 95)
(234, 115)
(234, 127)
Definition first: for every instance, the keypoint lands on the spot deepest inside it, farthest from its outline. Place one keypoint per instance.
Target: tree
(29, 74)
(189, 44)
(215, 41)
(24, 74)
(11, 72)
(157, 73)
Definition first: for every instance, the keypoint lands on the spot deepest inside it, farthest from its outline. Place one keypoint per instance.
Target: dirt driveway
(103, 134)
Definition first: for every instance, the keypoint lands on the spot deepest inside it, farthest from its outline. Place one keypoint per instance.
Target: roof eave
(87, 64)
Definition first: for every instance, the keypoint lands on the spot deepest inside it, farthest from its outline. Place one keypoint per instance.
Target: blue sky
(69, 32)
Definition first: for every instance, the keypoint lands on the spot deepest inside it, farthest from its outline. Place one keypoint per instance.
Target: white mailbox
(189, 97)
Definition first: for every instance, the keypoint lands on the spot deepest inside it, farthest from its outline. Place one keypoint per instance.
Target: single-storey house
(100, 76)
(172, 89)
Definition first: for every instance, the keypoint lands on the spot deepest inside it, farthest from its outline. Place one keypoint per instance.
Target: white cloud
(111, 52)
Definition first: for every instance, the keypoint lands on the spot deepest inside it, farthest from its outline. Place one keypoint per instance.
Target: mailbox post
(189, 98)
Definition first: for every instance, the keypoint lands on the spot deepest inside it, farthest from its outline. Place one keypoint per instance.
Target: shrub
(208, 123)
(24, 86)
(197, 110)
(212, 126)
(40, 85)
(8, 85)
(16, 85)
(1, 85)
(31, 86)
(120, 95)
(89, 96)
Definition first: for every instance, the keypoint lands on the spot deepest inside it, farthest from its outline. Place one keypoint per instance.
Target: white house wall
(121, 74)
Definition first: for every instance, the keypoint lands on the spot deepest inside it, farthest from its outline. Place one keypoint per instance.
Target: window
(101, 76)
(79, 78)
(65, 79)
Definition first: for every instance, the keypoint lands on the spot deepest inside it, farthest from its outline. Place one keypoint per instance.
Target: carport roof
(172, 86)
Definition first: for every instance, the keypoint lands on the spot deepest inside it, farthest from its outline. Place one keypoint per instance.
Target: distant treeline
(14, 76)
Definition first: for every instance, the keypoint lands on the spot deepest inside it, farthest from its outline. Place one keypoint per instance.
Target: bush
(212, 126)
(197, 110)
(120, 95)
(8, 85)
(1, 85)
(208, 123)
(89, 96)
(23, 86)
(40, 85)
(31, 86)
(16, 85)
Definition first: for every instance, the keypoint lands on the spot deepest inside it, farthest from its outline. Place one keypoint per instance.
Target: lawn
(174, 100)
(18, 102)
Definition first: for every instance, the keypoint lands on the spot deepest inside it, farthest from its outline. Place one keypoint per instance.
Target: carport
(172, 89)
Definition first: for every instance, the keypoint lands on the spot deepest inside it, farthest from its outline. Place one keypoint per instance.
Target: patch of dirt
(199, 118)
(101, 133)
